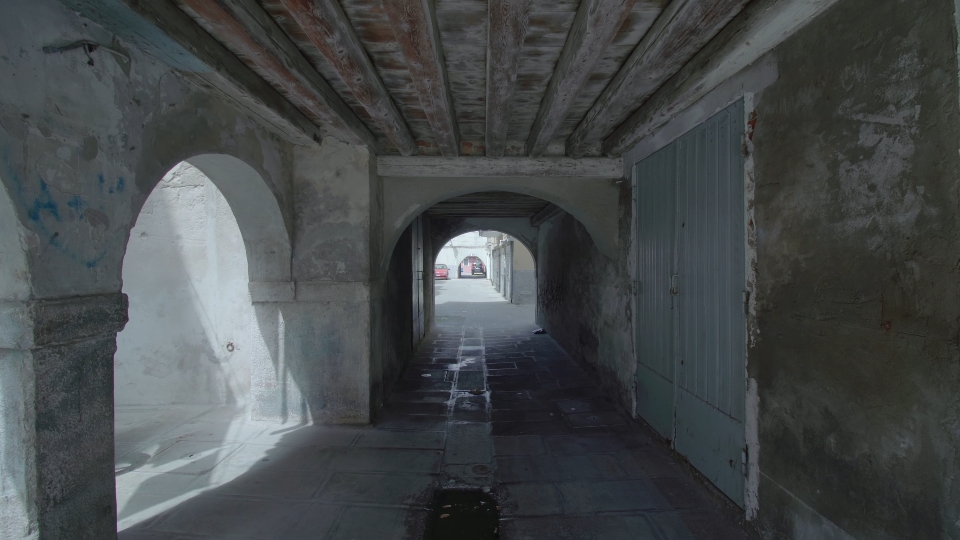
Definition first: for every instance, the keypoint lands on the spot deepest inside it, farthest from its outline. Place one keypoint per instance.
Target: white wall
(456, 250)
(185, 271)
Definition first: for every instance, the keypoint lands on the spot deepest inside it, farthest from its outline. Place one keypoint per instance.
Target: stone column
(56, 409)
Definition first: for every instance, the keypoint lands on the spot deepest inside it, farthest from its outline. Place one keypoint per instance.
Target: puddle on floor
(460, 514)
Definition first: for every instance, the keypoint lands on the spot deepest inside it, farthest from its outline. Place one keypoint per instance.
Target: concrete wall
(185, 274)
(318, 338)
(512, 269)
(397, 317)
(524, 275)
(857, 315)
(81, 147)
(500, 256)
(584, 297)
(398, 345)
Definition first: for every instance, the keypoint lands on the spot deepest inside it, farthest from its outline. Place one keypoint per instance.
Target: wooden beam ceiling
(507, 23)
(593, 29)
(679, 33)
(760, 27)
(508, 77)
(415, 28)
(249, 29)
(325, 24)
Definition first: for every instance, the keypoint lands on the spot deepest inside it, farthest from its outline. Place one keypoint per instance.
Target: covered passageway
(701, 262)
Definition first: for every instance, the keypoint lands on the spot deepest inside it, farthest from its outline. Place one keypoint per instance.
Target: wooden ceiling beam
(683, 28)
(507, 23)
(483, 167)
(162, 30)
(250, 30)
(594, 27)
(327, 27)
(760, 27)
(414, 25)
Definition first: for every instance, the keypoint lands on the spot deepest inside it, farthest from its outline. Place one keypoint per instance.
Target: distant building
(461, 247)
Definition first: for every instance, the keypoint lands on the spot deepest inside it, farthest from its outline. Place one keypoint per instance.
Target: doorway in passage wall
(691, 295)
(182, 372)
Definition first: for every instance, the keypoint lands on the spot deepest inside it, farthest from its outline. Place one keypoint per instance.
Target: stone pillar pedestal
(313, 353)
(56, 416)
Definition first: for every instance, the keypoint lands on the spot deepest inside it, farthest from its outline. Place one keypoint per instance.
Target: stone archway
(591, 201)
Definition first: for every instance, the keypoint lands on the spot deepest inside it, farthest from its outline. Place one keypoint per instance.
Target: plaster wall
(321, 351)
(524, 275)
(83, 141)
(398, 343)
(858, 301)
(185, 274)
(512, 270)
(584, 297)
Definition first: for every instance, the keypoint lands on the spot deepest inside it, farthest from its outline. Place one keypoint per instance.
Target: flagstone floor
(485, 404)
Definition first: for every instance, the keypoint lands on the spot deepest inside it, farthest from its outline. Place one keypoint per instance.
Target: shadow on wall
(187, 341)
(185, 274)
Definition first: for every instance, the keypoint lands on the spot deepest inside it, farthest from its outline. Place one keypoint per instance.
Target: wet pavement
(484, 405)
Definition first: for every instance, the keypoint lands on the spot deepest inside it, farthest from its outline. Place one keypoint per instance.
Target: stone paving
(485, 404)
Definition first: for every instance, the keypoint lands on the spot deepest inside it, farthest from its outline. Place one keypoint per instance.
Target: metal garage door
(656, 241)
(709, 360)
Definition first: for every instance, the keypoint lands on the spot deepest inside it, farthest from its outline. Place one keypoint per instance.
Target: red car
(441, 271)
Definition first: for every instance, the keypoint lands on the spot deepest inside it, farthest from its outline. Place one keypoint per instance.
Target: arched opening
(182, 370)
(472, 266)
(489, 267)
(483, 241)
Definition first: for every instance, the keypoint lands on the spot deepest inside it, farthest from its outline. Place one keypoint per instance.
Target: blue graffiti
(43, 207)
(43, 203)
(116, 188)
(78, 204)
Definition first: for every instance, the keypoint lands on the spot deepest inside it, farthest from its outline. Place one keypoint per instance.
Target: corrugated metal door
(656, 241)
(691, 321)
(416, 253)
(712, 327)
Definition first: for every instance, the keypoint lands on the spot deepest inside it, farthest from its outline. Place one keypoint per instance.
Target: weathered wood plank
(683, 28)
(476, 167)
(415, 27)
(508, 21)
(760, 27)
(593, 29)
(161, 29)
(249, 29)
(327, 27)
